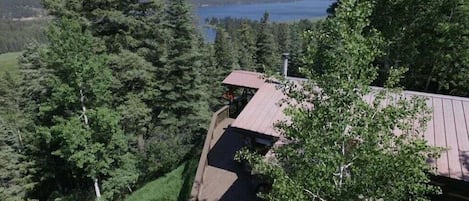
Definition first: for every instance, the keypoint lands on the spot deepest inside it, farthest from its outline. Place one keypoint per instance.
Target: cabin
(253, 111)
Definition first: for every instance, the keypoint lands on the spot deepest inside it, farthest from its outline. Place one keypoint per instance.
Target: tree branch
(315, 196)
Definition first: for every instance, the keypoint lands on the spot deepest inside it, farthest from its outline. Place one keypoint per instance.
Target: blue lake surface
(279, 12)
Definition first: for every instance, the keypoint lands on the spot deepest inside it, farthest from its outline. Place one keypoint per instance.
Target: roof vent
(285, 57)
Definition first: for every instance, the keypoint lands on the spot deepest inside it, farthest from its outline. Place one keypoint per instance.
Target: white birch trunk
(85, 121)
(96, 189)
(83, 108)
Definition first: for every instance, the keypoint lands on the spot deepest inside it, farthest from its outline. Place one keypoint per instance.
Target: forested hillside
(20, 9)
(257, 44)
(21, 22)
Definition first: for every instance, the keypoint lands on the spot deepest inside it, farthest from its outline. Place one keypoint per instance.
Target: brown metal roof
(262, 111)
(245, 79)
(448, 128)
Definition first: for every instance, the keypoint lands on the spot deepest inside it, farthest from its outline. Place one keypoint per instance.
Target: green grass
(9, 62)
(174, 186)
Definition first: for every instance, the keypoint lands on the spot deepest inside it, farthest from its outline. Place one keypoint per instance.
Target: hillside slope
(20, 9)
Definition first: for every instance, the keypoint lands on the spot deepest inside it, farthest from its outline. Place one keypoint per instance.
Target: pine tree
(211, 81)
(15, 167)
(182, 104)
(266, 59)
(296, 49)
(184, 67)
(283, 37)
(223, 53)
(247, 47)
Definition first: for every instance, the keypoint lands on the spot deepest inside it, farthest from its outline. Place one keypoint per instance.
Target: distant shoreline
(239, 2)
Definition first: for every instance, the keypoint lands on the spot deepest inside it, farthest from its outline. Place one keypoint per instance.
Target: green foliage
(15, 166)
(74, 122)
(247, 47)
(431, 39)
(287, 36)
(224, 57)
(339, 146)
(184, 107)
(266, 59)
(427, 37)
(110, 102)
(154, 59)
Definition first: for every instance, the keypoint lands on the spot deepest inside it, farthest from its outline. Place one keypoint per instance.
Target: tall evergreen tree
(182, 104)
(225, 59)
(15, 167)
(296, 49)
(266, 59)
(283, 37)
(247, 47)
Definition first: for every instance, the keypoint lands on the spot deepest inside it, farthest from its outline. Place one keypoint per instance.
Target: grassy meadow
(174, 186)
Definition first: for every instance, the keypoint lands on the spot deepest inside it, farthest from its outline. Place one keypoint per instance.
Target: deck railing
(217, 117)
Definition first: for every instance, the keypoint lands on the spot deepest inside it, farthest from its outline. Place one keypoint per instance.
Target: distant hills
(16, 9)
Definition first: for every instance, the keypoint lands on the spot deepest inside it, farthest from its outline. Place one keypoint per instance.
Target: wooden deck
(223, 178)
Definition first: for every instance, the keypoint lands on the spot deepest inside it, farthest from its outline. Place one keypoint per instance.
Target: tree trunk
(429, 79)
(83, 108)
(96, 189)
(20, 139)
(85, 121)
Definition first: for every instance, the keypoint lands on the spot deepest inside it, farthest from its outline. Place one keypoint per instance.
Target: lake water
(279, 12)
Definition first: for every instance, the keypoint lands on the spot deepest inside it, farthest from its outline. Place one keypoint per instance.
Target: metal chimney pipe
(285, 57)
